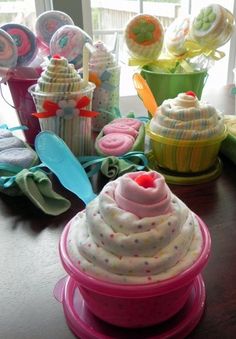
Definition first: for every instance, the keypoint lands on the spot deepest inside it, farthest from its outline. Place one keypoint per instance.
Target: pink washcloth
(141, 201)
(120, 127)
(131, 122)
(116, 144)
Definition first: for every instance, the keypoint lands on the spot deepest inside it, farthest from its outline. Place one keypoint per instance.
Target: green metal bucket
(169, 85)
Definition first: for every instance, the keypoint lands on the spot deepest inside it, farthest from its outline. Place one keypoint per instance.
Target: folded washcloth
(22, 157)
(38, 188)
(10, 142)
(5, 133)
(21, 174)
(121, 136)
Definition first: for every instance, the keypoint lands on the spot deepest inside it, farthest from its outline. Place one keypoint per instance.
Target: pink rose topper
(145, 180)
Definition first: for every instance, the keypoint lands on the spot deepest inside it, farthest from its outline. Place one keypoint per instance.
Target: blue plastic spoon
(56, 155)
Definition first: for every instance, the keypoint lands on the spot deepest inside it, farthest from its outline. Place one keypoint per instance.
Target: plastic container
(185, 156)
(134, 306)
(169, 85)
(76, 131)
(175, 178)
(106, 97)
(20, 80)
(85, 325)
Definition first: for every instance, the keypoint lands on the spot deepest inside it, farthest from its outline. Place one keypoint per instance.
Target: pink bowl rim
(136, 290)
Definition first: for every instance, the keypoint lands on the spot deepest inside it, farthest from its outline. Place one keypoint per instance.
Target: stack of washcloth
(20, 174)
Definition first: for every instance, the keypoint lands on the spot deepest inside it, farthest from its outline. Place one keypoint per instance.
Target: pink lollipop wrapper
(48, 23)
(25, 42)
(68, 41)
(8, 51)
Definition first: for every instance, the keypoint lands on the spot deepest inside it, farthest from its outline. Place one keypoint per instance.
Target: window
(22, 12)
(111, 16)
(101, 18)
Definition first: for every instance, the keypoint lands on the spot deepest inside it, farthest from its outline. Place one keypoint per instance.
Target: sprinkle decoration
(145, 180)
(66, 109)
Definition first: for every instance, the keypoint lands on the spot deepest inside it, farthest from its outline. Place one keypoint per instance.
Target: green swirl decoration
(63, 41)
(143, 31)
(205, 19)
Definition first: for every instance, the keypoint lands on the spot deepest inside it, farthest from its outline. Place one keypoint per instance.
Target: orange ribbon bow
(52, 109)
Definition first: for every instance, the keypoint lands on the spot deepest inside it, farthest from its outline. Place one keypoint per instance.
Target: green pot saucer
(185, 178)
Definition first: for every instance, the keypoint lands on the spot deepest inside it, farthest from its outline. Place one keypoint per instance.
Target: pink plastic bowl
(136, 305)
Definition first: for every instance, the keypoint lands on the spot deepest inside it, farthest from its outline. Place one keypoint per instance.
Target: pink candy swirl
(115, 144)
(120, 127)
(131, 122)
(141, 201)
(118, 137)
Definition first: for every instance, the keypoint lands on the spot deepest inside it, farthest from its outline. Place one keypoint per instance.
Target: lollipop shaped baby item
(213, 26)
(68, 41)
(25, 42)
(55, 154)
(176, 35)
(8, 50)
(144, 36)
(145, 93)
(49, 22)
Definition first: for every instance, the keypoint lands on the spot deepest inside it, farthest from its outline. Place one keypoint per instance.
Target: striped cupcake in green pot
(186, 134)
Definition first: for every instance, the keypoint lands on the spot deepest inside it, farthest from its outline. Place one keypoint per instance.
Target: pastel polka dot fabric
(134, 234)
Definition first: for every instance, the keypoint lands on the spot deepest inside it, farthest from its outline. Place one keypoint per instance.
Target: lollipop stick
(87, 49)
(115, 49)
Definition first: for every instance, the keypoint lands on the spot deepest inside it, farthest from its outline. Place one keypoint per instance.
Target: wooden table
(30, 265)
